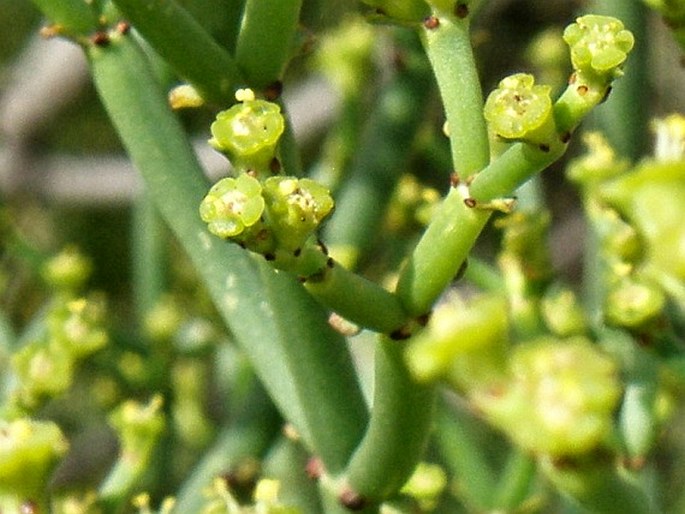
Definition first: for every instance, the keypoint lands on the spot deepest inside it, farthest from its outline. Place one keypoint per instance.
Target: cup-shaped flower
(68, 270)
(28, 451)
(634, 302)
(138, 426)
(296, 208)
(43, 372)
(521, 110)
(77, 327)
(561, 397)
(599, 45)
(248, 134)
(232, 205)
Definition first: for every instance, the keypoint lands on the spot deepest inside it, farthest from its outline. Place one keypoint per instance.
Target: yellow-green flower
(599, 44)
(521, 110)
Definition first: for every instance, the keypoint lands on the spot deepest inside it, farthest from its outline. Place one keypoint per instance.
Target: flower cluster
(280, 213)
(599, 45)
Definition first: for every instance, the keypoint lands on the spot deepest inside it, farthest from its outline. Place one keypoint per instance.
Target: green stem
(266, 39)
(359, 300)
(149, 260)
(448, 47)
(457, 436)
(515, 482)
(287, 463)
(397, 434)
(73, 17)
(440, 253)
(186, 46)
(305, 365)
(381, 157)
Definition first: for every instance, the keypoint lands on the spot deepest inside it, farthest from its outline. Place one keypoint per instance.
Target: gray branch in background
(49, 75)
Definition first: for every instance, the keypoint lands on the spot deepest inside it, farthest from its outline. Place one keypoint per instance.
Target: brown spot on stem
(431, 22)
(582, 90)
(565, 137)
(544, 147)
(273, 91)
(314, 468)
(100, 38)
(454, 179)
(123, 27)
(275, 166)
(352, 500)
(470, 202)
(461, 10)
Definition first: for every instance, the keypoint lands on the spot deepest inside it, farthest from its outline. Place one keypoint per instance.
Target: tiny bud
(314, 468)
(100, 38)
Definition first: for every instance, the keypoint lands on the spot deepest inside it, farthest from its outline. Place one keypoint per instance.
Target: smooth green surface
(169, 28)
(449, 49)
(265, 41)
(398, 432)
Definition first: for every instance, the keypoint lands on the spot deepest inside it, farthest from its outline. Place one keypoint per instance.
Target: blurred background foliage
(64, 181)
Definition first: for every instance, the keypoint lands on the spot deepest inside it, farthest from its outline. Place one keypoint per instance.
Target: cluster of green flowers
(269, 215)
(71, 329)
(520, 110)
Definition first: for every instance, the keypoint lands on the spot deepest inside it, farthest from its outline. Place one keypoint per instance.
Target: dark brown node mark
(330, 263)
(606, 95)
(582, 90)
(269, 257)
(275, 166)
(431, 22)
(314, 468)
(400, 334)
(565, 137)
(297, 252)
(423, 319)
(454, 179)
(461, 10)
(273, 91)
(100, 38)
(462, 270)
(123, 27)
(352, 500)
(28, 507)
(322, 246)
(544, 147)
(470, 202)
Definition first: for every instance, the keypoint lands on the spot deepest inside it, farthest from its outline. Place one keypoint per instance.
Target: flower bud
(28, 452)
(68, 270)
(248, 134)
(562, 312)
(138, 427)
(520, 110)
(296, 207)
(599, 45)
(632, 303)
(233, 210)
